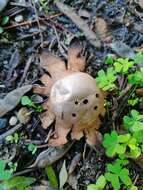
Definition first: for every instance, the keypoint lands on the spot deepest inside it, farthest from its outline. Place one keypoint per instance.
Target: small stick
(28, 63)
(28, 36)
(19, 4)
(124, 92)
(37, 19)
(14, 11)
(90, 35)
(25, 171)
(137, 177)
(59, 43)
(31, 22)
(10, 131)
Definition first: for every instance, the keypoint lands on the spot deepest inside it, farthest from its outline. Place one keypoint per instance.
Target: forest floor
(27, 27)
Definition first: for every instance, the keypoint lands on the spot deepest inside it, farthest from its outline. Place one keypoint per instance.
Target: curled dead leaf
(51, 155)
(11, 100)
(74, 163)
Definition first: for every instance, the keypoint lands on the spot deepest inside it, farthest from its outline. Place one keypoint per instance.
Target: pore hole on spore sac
(85, 101)
(97, 95)
(73, 114)
(95, 107)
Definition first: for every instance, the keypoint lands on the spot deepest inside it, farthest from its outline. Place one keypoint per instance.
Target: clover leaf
(133, 123)
(4, 174)
(136, 78)
(138, 58)
(109, 59)
(115, 144)
(116, 174)
(123, 65)
(121, 144)
(100, 184)
(106, 80)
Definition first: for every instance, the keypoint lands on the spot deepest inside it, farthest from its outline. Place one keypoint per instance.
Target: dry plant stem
(36, 142)
(139, 161)
(90, 35)
(59, 43)
(124, 92)
(84, 151)
(25, 171)
(49, 135)
(10, 131)
(19, 4)
(58, 26)
(135, 181)
(14, 11)
(28, 36)
(31, 22)
(37, 18)
(28, 63)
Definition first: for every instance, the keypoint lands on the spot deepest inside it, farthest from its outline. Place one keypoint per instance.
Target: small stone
(23, 115)
(18, 18)
(3, 4)
(13, 121)
(3, 123)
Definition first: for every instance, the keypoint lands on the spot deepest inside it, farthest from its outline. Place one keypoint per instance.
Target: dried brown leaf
(47, 118)
(102, 29)
(54, 65)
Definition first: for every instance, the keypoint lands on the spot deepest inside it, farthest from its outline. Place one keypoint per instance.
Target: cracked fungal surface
(75, 101)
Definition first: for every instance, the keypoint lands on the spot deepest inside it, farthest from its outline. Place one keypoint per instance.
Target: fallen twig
(14, 11)
(90, 35)
(31, 22)
(37, 19)
(29, 170)
(28, 36)
(28, 63)
(19, 4)
(10, 131)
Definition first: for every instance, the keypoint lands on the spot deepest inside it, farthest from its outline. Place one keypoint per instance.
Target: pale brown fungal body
(75, 100)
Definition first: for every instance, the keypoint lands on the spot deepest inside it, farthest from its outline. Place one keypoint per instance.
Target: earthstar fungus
(75, 101)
